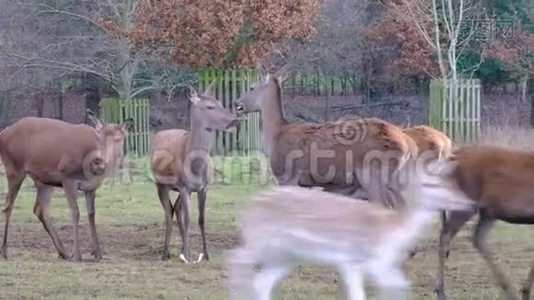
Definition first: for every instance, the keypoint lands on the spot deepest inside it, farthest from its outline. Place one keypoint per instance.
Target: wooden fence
(455, 109)
(229, 86)
(118, 110)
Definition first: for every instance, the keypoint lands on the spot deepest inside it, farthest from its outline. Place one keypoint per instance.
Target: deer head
(112, 137)
(208, 113)
(259, 93)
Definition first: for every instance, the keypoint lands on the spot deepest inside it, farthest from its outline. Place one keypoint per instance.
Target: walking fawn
(291, 224)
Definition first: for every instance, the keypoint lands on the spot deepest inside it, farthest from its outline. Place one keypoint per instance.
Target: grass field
(130, 226)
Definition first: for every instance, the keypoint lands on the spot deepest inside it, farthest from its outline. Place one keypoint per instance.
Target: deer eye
(211, 107)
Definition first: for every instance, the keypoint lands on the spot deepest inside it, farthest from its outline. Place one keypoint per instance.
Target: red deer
(59, 154)
(291, 224)
(338, 156)
(500, 182)
(181, 162)
(432, 140)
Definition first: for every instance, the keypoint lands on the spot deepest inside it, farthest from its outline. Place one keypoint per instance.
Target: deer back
(342, 145)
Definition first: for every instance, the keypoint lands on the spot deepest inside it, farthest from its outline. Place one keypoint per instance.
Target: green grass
(130, 226)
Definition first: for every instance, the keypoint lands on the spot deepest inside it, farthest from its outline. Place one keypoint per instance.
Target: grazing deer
(351, 154)
(59, 154)
(292, 224)
(430, 140)
(181, 162)
(500, 182)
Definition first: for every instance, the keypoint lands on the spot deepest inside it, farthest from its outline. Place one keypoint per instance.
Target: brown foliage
(414, 54)
(203, 32)
(516, 52)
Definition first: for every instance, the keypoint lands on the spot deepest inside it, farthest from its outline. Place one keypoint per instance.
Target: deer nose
(234, 122)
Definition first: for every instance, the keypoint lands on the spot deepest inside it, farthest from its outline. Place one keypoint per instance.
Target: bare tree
(337, 47)
(446, 26)
(81, 36)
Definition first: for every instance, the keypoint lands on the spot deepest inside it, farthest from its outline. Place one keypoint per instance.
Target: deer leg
(186, 253)
(527, 285)
(449, 228)
(14, 184)
(241, 270)
(202, 195)
(90, 202)
(163, 195)
(266, 279)
(479, 241)
(392, 283)
(41, 210)
(179, 216)
(72, 199)
(353, 280)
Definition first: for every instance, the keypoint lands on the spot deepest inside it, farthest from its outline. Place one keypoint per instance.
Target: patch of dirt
(139, 242)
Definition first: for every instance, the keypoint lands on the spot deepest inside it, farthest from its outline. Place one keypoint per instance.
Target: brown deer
(181, 162)
(59, 154)
(500, 182)
(342, 156)
(289, 225)
(431, 140)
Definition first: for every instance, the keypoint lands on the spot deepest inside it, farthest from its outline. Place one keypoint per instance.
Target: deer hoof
(76, 257)
(200, 257)
(182, 257)
(165, 256)
(440, 293)
(97, 255)
(63, 256)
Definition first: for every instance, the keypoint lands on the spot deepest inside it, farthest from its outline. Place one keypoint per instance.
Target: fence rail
(455, 109)
(118, 110)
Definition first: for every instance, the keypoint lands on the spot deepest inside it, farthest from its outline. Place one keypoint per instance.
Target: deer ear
(128, 125)
(210, 89)
(264, 75)
(97, 123)
(283, 73)
(193, 94)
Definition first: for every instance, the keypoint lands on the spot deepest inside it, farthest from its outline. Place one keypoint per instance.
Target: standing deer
(181, 162)
(338, 156)
(59, 154)
(289, 225)
(500, 182)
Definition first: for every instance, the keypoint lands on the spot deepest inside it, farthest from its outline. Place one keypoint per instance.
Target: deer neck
(273, 119)
(201, 139)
